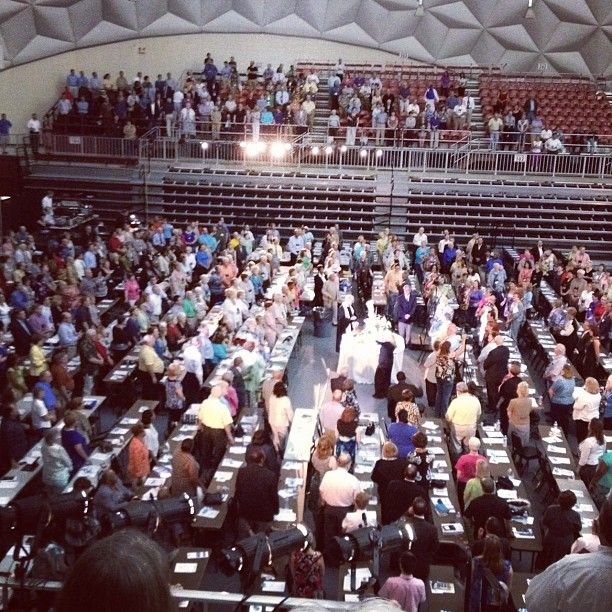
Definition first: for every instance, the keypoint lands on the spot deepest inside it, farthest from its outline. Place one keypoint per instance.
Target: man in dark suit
(538, 251)
(394, 394)
(495, 367)
(238, 382)
(337, 384)
(400, 495)
(256, 495)
(22, 333)
(347, 319)
(319, 279)
(403, 314)
(425, 545)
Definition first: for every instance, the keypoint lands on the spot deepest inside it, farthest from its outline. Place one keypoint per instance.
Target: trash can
(322, 318)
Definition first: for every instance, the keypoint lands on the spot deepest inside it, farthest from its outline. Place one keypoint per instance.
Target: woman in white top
(42, 419)
(280, 415)
(586, 406)
(591, 449)
(56, 463)
(232, 315)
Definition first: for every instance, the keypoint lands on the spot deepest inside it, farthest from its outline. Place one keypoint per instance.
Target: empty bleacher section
(315, 199)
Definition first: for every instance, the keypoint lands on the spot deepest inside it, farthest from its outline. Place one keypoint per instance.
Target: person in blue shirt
(208, 239)
(492, 260)
(419, 256)
(448, 256)
(400, 433)
(5, 130)
(74, 442)
(19, 298)
(219, 349)
(82, 80)
(72, 82)
(167, 230)
(159, 239)
(267, 118)
(203, 257)
(49, 397)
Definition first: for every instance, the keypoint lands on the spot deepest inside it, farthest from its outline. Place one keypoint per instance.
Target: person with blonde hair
(473, 487)
(389, 467)
(519, 410)
(586, 406)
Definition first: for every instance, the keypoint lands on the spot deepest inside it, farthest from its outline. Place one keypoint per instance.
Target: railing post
(496, 157)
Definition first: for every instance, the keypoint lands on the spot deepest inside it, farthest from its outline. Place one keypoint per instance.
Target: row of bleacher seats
(274, 173)
(573, 107)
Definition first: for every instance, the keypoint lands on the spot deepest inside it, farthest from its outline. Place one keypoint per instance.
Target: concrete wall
(34, 87)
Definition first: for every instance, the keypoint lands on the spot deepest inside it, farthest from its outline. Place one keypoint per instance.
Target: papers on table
(436, 450)
(497, 452)
(237, 450)
(294, 482)
(208, 513)
(231, 463)
(440, 476)
(286, 515)
(443, 492)
(452, 528)
(507, 493)
(525, 520)
(129, 421)
(437, 587)
(494, 440)
(287, 493)
(561, 472)
(494, 434)
(198, 554)
(524, 533)
(362, 574)
(154, 482)
(273, 586)
(439, 464)
(429, 425)
(501, 459)
(292, 465)
(552, 439)
(559, 460)
(223, 476)
(185, 568)
(8, 484)
(584, 508)
(362, 469)
(555, 449)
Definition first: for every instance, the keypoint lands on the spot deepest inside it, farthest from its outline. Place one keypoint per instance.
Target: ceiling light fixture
(420, 11)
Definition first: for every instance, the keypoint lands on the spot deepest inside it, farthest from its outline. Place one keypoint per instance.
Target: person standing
(382, 377)
(405, 307)
(445, 378)
(216, 428)
(56, 464)
(138, 456)
(280, 415)
(405, 589)
(256, 495)
(586, 406)
(34, 128)
(347, 319)
(5, 131)
(495, 367)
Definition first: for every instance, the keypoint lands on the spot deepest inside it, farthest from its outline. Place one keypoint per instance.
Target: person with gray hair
(337, 491)
(554, 368)
(463, 414)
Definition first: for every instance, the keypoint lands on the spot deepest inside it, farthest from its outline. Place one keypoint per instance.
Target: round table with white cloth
(359, 353)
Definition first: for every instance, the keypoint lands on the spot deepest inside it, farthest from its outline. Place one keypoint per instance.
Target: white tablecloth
(359, 353)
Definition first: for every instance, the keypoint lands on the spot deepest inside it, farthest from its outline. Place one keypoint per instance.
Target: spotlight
(420, 11)
(343, 149)
(363, 152)
(329, 150)
(150, 514)
(253, 148)
(204, 146)
(253, 553)
(277, 149)
(287, 146)
(315, 150)
(243, 144)
(362, 544)
(379, 152)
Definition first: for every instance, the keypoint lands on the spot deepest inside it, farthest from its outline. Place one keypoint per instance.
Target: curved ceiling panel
(569, 35)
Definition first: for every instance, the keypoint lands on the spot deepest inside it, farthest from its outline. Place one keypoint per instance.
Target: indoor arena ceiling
(563, 36)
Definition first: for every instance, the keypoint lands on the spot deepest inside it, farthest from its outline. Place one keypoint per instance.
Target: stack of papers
(555, 449)
(563, 473)
(273, 586)
(185, 568)
(524, 533)
(452, 528)
(223, 476)
(429, 425)
(231, 463)
(285, 515)
(507, 493)
(559, 460)
(437, 587)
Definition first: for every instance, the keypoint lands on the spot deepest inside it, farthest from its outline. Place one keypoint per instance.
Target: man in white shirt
(34, 127)
(445, 240)
(420, 238)
(177, 99)
(463, 414)
(295, 244)
(458, 116)
(495, 126)
(554, 368)
(282, 97)
(331, 412)
(47, 203)
(337, 491)
(468, 103)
